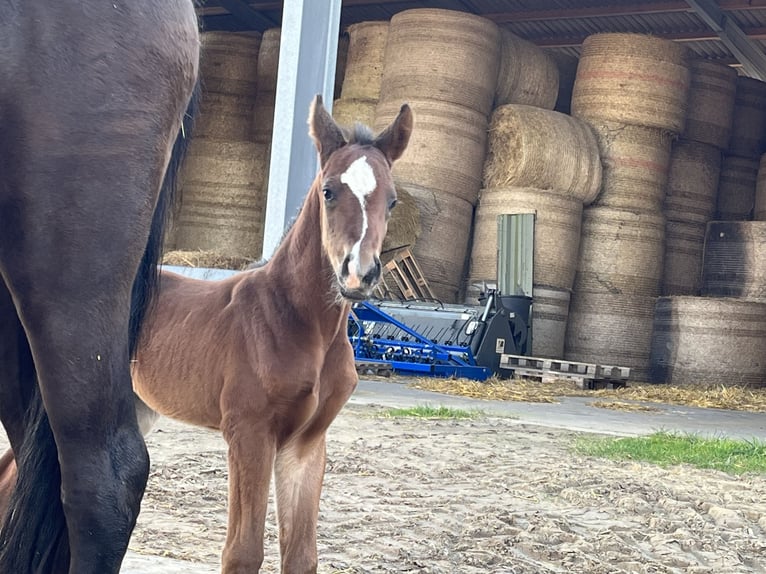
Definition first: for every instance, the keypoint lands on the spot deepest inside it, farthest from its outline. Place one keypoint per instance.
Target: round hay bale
(228, 62)
(224, 117)
(527, 74)
(348, 112)
(684, 244)
(557, 233)
(265, 97)
(223, 201)
(442, 55)
(692, 182)
(364, 67)
(734, 263)
(404, 224)
(632, 79)
(550, 311)
(341, 62)
(441, 250)
(567, 65)
(533, 147)
(205, 260)
(759, 212)
(447, 148)
(612, 329)
(749, 120)
(702, 341)
(635, 163)
(736, 188)
(710, 110)
(621, 252)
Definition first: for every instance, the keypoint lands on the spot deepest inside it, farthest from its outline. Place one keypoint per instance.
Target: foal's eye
(392, 204)
(328, 193)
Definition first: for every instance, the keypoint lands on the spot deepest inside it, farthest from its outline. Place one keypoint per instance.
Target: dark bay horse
(92, 97)
(264, 355)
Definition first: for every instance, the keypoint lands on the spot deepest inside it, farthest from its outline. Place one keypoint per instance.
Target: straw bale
(611, 329)
(692, 182)
(748, 136)
(404, 224)
(557, 233)
(347, 112)
(684, 244)
(550, 313)
(527, 74)
(632, 79)
(621, 252)
(533, 147)
(447, 148)
(228, 62)
(443, 55)
(711, 103)
(734, 263)
(706, 340)
(364, 67)
(736, 188)
(635, 161)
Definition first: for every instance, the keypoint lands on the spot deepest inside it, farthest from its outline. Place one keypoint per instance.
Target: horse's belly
(181, 402)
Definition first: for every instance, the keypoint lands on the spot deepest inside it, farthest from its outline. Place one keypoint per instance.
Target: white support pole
(307, 56)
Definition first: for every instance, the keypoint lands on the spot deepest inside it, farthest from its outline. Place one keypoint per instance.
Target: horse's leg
(298, 473)
(146, 415)
(251, 460)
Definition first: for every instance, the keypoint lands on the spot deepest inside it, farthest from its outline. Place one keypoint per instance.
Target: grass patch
(427, 412)
(667, 449)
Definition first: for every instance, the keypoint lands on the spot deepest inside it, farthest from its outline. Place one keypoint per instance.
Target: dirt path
(470, 497)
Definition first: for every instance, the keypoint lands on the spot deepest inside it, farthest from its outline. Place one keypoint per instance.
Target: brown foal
(264, 355)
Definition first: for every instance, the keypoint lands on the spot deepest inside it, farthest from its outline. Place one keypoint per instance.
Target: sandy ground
(488, 495)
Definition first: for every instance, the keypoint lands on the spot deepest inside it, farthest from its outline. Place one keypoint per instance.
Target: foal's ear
(393, 140)
(326, 134)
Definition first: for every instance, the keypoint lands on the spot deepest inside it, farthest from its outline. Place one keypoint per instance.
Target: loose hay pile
(205, 259)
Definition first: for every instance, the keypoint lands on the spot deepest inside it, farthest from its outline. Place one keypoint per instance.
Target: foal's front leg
(298, 474)
(251, 460)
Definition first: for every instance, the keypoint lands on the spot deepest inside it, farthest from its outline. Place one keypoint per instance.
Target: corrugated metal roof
(560, 25)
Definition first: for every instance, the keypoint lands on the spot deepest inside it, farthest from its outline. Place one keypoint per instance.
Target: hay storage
(348, 112)
(442, 55)
(441, 250)
(364, 65)
(223, 204)
(620, 252)
(611, 329)
(749, 121)
(635, 162)
(734, 263)
(706, 340)
(404, 225)
(533, 147)
(759, 211)
(632, 79)
(265, 97)
(684, 244)
(550, 311)
(692, 186)
(228, 64)
(526, 75)
(447, 148)
(736, 188)
(710, 110)
(567, 65)
(557, 234)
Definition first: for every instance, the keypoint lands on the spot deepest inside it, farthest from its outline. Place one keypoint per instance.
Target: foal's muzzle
(357, 284)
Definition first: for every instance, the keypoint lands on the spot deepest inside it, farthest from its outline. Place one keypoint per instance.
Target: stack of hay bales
(739, 169)
(695, 166)
(547, 163)
(632, 89)
(444, 64)
(221, 202)
(527, 74)
(363, 72)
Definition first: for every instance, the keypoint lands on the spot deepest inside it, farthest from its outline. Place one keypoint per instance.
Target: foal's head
(357, 195)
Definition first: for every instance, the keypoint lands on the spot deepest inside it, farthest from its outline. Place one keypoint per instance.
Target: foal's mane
(359, 134)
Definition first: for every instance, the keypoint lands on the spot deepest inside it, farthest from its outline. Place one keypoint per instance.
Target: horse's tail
(36, 498)
(147, 278)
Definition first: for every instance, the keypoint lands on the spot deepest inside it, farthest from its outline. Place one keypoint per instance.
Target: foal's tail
(36, 497)
(147, 279)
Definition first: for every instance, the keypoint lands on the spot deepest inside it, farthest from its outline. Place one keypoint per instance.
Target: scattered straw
(206, 259)
(623, 406)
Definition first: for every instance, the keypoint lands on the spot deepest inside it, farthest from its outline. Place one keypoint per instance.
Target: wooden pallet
(403, 278)
(586, 375)
(374, 368)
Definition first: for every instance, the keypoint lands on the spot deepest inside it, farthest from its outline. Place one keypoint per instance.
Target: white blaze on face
(360, 179)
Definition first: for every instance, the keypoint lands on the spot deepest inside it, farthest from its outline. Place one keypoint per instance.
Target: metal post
(307, 55)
